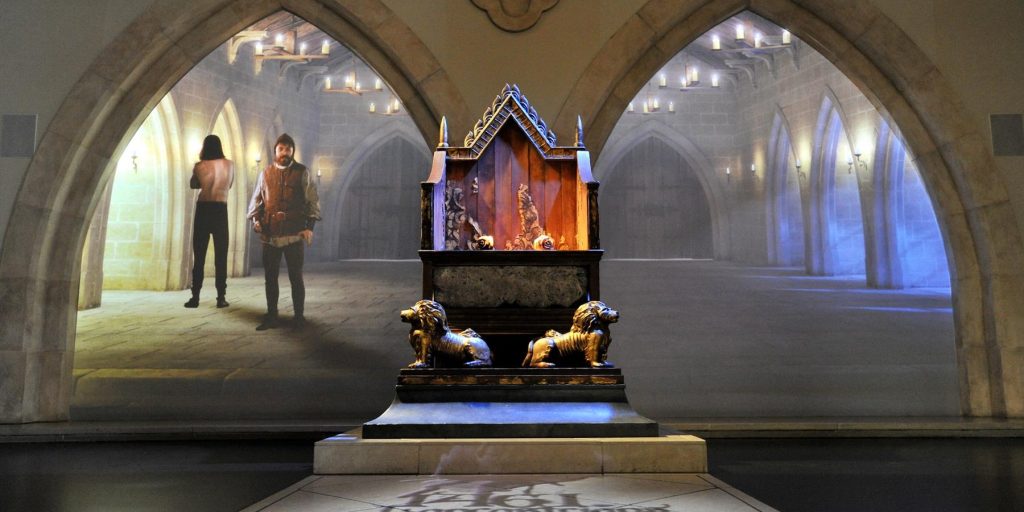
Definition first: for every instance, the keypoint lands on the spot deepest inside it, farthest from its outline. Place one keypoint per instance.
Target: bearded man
(283, 210)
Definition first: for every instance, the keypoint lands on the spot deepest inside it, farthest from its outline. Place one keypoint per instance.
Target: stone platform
(510, 402)
(350, 454)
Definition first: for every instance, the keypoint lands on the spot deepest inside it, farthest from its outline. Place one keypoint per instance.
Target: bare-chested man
(213, 176)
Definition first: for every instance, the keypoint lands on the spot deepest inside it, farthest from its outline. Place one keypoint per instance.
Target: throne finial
(579, 131)
(443, 133)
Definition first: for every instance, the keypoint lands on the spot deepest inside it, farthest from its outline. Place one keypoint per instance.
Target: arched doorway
(227, 126)
(375, 202)
(654, 206)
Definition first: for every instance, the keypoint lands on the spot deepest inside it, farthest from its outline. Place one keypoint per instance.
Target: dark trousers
(211, 219)
(294, 254)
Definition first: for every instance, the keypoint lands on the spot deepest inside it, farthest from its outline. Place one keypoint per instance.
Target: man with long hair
(213, 175)
(284, 208)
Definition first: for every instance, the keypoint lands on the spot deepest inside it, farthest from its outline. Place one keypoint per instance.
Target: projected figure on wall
(284, 207)
(213, 175)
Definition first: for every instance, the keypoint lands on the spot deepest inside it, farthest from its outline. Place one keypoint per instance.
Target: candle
(740, 33)
(302, 49)
(716, 42)
(787, 38)
(327, 83)
(662, 81)
(377, 84)
(279, 40)
(671, 107)
(694, 74)
(325, 48)
(714, 80)
(757, 40)
(373, 107)
(259, 48)
(630, 108)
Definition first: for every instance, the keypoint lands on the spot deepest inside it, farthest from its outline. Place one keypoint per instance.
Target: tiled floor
(549, 493)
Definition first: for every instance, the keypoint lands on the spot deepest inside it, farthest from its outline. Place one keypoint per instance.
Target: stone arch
(713, 191)
(831, 235)
(908, 249)
(39, 265)
(785, 227)
(396, 130)
(907, 88)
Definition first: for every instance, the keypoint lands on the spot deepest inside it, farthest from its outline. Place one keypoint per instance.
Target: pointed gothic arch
(783, 200)
(333, 198)
(835, 234)
(697, 160)
(61, 185)
(905, 86)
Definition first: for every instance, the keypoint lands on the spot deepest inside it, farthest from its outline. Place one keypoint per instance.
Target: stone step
(350, 454)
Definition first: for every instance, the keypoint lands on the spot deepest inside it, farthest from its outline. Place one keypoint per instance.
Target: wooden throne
(545, 258)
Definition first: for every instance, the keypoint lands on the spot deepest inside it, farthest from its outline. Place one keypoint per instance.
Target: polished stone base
(510, 402)
(350, 454)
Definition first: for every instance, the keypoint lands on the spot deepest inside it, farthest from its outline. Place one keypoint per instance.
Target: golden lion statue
(436, 345)
(586, 343)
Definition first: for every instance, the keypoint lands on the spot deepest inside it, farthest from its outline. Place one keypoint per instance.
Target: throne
(509, 235)
(510, 249)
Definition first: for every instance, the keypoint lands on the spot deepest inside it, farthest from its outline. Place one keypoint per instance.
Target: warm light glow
(655, 105)
(647, 108)
(682, 80)
(318, 173)
(694, 74)
(671, 107)
(350, 80)
(397, 106)
(714, 80)
(798, 164)
(373, 107)
(302, 49)
(259, 49)
(326, 47)
(740, 34)
(662, 81)
(787, 38)
(728, 171)
(279, 40)
(753, 168)
(757, 40)
(378, 84)
(327, 83)
(631, 108)
(716, 42)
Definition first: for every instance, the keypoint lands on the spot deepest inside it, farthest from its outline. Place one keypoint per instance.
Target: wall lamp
(799, 173)
(728, 174)
(854, 159)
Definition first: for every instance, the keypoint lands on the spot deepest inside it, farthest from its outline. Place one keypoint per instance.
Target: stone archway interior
(653, 206)
(242, 94)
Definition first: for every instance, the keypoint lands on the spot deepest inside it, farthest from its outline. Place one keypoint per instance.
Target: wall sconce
(728, 174)
(716, 43)
(318, 174)
(257, 167)
(799, 173)
(855, 159)
(753, 169)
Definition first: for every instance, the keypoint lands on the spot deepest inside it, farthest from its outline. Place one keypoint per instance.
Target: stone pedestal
(349, 454)
(510, 402)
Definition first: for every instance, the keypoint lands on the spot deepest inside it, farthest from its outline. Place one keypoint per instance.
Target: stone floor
(696, 339)
(549, 493)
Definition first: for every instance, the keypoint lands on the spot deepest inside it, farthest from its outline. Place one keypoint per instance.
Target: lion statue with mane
(436, 345)
(586, 343)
